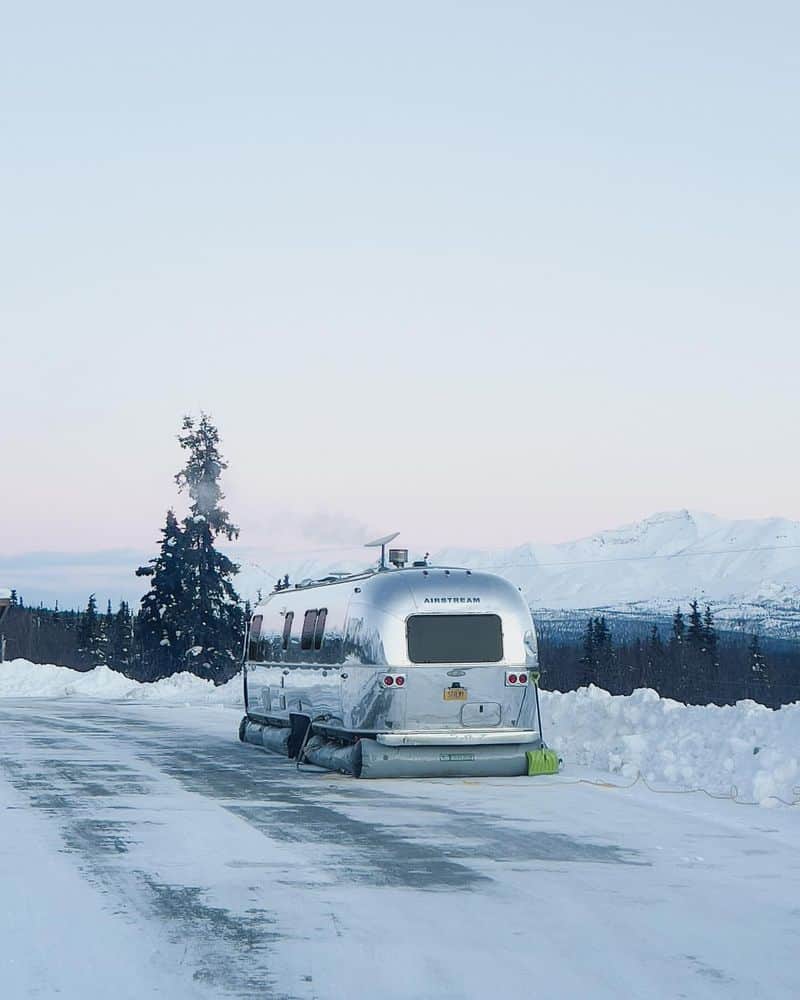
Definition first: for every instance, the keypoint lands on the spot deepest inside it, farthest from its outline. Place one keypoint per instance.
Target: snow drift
(23, 679)
(745, 750)
(746, 747)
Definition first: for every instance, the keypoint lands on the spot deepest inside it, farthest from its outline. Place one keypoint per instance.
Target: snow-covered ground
(146, 852)
(746, 751)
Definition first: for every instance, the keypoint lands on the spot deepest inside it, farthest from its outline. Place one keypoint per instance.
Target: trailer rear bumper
(458, 737)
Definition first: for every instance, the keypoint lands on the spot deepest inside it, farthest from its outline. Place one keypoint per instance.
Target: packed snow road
(145, 852)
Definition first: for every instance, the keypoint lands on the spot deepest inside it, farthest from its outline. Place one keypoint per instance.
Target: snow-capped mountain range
(747, 569)
(666, 557)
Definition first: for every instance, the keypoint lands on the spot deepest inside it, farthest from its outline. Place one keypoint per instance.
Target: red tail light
(512, 678)
(399, 680)
(388, 680)
(523, 678)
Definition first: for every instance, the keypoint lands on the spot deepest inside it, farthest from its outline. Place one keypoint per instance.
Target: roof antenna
(382, 542)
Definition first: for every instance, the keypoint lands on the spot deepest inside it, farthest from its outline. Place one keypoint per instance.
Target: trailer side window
(309, 624)
(254, 651)
(454, 638)
(319, 628)
(287, 628)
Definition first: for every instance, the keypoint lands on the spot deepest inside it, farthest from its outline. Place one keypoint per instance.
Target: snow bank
(745, 747)
(23, 679)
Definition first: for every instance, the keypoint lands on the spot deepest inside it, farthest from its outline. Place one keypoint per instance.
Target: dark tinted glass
(454, 639)
(307, 635)
(287, 628)
(319, 629)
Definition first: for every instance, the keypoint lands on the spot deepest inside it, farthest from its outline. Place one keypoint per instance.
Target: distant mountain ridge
(667, 557)
(744, 568)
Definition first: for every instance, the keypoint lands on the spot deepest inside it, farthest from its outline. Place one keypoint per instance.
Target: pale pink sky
(524, 274)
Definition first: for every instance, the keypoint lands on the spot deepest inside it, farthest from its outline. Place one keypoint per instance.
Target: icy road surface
(145, 852)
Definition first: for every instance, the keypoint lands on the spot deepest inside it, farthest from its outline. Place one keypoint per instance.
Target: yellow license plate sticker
(455, 694)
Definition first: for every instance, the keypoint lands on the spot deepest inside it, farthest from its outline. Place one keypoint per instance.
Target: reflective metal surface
(365, 638)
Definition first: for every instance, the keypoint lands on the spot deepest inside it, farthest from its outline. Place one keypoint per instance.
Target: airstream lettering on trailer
(408, 671)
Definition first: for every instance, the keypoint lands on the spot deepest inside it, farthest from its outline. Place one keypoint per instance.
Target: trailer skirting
(367, 758)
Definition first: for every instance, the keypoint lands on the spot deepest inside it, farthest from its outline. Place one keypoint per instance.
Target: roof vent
(398, 557)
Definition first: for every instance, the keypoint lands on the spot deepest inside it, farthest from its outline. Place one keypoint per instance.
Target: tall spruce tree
(213, 616)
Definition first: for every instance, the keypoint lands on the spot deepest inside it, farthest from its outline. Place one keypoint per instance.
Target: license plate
(455, 694)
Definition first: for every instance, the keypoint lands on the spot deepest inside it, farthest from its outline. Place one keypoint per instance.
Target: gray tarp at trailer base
(369, 759)
(377, 761)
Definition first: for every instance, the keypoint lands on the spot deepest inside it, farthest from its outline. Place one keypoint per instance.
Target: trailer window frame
(255, 648)
(307, 632)
(287, 629)
(425, 646)
(319, 627)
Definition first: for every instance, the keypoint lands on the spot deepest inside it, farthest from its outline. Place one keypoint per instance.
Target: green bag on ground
(542, 761)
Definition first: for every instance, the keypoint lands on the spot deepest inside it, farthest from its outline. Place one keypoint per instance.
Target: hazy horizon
(42, 576)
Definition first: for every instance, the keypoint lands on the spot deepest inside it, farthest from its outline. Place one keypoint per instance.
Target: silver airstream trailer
(400, 671)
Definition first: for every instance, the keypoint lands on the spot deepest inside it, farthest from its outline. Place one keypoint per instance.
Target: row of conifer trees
(693, 663)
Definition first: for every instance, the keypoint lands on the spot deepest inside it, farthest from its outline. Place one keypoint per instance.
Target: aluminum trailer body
(410, 671)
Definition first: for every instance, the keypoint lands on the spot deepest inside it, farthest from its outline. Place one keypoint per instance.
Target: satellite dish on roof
(382, 543)
(379, 542)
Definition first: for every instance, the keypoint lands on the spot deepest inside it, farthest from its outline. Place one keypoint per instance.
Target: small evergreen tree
(654, 664)
(161, 632)
(588, 662)
(695, 681)
(758, 683)
(709, 632)
(695, 633)
(91, 641)
(678, 626)
(677, 656)
(121, 638)
(711, 660)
